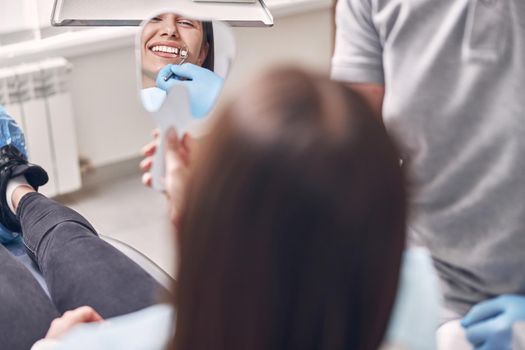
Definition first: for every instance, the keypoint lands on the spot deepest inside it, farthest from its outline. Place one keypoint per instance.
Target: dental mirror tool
(183, 53)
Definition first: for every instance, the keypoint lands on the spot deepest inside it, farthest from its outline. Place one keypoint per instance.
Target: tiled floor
(123, 209)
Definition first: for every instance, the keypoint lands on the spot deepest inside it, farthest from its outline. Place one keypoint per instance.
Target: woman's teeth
(166, 49)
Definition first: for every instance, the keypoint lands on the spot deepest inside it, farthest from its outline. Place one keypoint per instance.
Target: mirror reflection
(170, 38)
(178, 50)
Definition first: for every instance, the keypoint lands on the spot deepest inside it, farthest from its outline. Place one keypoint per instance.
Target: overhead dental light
(132, 12)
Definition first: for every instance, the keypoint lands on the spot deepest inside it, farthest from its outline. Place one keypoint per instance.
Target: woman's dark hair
(209, 62)
(293, 225)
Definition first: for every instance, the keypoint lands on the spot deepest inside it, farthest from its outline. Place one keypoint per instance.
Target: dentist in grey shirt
(448, 79)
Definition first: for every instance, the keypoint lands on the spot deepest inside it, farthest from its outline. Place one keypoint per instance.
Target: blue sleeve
(415, 316)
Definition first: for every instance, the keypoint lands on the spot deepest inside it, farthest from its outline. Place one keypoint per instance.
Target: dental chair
(18, 250)
(143, 261)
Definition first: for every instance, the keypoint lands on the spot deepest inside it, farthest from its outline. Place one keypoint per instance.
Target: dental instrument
(182, 53)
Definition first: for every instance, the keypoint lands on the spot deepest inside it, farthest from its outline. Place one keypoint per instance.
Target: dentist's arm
(372, 94)
(358, 52)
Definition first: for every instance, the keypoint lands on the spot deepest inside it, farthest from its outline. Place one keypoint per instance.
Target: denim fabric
(25, 309)
(10, 133)
(79, 269)
(78, 266)
(19, 251)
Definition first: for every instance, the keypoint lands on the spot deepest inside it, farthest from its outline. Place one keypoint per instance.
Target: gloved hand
(203, 85)
(488, 325)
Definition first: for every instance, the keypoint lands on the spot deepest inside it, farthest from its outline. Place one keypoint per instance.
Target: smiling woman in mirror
(168, 38)
(177, 50)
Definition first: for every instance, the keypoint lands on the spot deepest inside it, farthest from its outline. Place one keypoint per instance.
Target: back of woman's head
(293, 225)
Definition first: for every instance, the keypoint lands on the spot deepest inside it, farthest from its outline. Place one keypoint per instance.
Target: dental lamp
(94, 13)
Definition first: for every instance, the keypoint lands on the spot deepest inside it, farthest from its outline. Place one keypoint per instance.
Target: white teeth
(165, 49)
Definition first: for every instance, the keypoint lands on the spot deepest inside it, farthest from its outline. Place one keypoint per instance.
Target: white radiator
(37, 97)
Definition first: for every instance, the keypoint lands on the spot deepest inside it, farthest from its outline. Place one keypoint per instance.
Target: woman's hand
(60, 326)
(145, 165)
(178, 161)
(187, 145)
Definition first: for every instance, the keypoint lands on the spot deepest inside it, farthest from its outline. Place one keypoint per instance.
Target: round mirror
(182, 65)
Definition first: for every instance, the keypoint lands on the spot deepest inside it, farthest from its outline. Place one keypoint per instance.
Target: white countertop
(97, 39)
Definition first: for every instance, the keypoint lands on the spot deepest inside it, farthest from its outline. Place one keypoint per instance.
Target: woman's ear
(203, 53)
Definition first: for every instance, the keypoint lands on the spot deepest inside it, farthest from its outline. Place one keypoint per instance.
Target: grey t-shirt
(454, 76)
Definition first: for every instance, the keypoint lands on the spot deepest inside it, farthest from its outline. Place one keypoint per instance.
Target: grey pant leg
(79, 267)
(25, 310)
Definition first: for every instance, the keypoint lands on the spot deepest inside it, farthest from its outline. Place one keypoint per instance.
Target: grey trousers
(79, 269)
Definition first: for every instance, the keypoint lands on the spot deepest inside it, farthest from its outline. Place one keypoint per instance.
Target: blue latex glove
(203, 85)
(488, 325)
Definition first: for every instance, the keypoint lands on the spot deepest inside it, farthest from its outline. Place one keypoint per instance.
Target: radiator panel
(36, 95)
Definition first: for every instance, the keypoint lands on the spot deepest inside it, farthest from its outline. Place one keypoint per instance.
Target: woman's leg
(78, 266)
(25, 310)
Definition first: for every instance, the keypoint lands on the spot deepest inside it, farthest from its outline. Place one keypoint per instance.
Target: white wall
(18, 15)
(111, 125)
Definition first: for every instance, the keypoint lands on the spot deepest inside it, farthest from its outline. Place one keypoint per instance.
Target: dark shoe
(13, 164)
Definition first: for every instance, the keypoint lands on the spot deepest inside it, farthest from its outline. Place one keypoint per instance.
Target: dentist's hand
(488, 325)
(203, 85)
